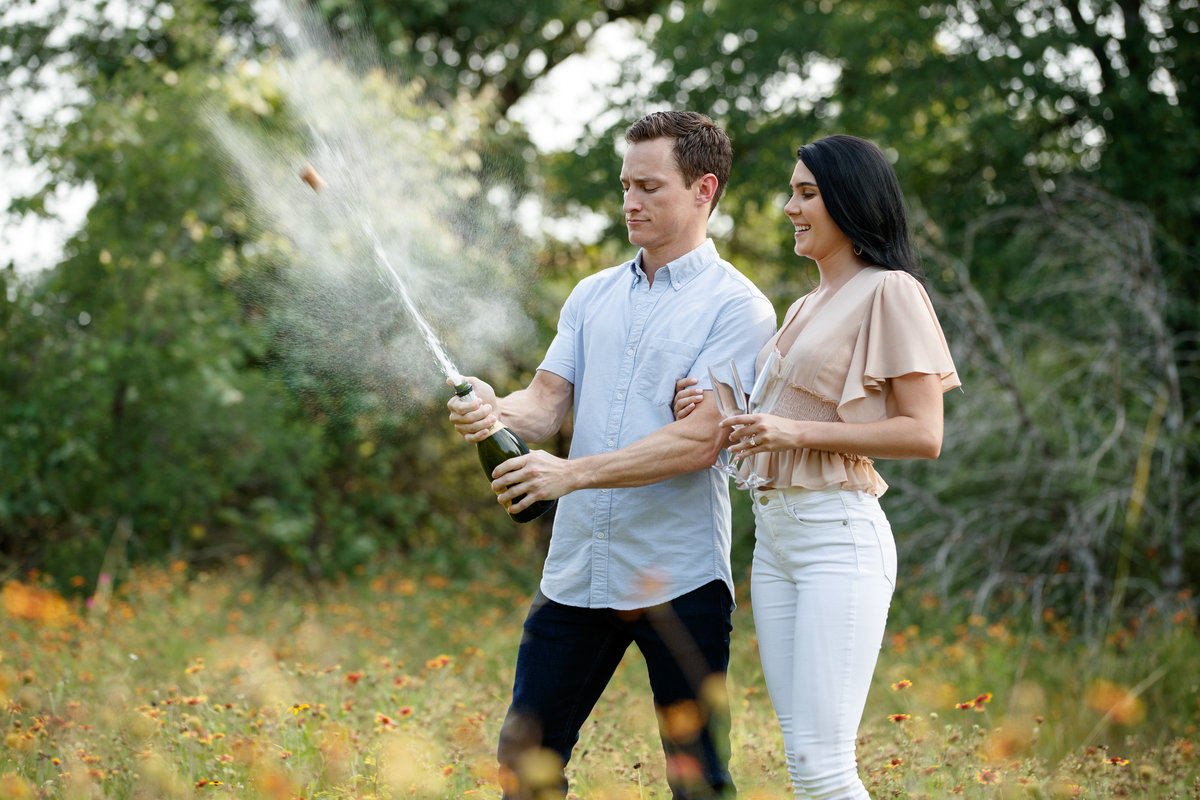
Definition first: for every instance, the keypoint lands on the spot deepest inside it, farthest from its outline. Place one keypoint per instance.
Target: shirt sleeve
(900, 335)
(560, 357)
(739, 333)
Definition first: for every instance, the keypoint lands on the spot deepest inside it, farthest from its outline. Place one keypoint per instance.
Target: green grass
(208, 685)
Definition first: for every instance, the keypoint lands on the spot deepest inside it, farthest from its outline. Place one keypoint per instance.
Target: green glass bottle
(502, 444)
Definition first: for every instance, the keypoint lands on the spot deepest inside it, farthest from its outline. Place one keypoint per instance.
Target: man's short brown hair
(700, 146)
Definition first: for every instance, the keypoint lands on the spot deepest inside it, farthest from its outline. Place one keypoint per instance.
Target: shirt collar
(683, 269)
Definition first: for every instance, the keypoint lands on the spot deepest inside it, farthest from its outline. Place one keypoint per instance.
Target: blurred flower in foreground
(1012, 739)
(31, 603)
(15, 787)
(1116, 702)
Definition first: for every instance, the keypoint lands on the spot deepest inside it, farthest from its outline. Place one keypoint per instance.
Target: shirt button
(620, 395)
(600, 535)
(629, 352)
(611, 442)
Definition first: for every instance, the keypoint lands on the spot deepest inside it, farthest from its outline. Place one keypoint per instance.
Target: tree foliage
(499, 49)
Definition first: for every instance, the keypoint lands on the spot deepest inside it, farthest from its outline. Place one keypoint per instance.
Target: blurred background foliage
(1048, 150)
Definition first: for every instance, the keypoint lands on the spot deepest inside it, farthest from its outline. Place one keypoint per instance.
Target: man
(640, 547)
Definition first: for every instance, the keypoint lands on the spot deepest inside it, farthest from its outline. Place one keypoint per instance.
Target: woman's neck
(837, 270)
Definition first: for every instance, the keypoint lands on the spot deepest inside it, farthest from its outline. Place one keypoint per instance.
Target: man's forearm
(673, 450)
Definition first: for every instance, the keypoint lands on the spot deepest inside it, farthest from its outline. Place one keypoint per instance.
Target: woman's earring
(858, 251)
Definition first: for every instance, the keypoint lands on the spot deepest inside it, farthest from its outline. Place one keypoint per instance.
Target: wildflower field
(178, 684)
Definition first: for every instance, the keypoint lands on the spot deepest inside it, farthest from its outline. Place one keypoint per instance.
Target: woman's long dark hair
(863, 198)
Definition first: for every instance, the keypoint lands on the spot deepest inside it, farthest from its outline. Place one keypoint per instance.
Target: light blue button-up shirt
(623, 343)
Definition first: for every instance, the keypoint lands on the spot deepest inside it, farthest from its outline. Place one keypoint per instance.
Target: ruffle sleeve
(900, 335)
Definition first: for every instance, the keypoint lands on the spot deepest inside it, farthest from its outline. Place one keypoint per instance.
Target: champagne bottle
(502, 444)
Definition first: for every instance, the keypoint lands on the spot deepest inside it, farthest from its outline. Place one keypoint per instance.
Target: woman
(862, 368)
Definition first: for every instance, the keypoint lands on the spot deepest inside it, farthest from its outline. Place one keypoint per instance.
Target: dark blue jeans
(566, 659)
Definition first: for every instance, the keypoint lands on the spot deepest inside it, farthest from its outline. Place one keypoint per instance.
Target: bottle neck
(465, 391)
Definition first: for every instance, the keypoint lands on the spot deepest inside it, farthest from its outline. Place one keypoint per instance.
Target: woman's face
(817, 237)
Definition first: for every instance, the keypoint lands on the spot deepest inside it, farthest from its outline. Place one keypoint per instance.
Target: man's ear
(706, 189)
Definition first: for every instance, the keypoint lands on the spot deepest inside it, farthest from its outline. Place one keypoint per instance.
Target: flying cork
(310, 176)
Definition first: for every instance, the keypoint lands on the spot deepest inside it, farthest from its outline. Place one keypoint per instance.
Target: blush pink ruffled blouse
(879, 325)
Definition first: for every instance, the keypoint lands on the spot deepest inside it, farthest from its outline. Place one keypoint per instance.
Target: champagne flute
(767, 386)
(731, 400)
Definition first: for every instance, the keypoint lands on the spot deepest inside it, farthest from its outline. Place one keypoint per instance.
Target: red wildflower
(987, 776)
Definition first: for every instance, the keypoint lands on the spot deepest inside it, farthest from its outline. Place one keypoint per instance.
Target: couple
(640, 547)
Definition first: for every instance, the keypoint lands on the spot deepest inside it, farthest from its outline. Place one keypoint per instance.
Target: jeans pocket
(816, 517)
(876, 549)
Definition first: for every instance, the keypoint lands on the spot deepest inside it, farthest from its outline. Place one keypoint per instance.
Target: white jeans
(823, 575)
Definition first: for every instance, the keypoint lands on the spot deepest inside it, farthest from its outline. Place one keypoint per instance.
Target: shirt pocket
(663, 361)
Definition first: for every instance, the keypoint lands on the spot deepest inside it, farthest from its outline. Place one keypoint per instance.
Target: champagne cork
(310, 176)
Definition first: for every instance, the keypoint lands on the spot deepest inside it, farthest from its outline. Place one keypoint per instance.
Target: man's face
(660, 212)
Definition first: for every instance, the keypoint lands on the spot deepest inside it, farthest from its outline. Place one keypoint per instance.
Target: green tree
(495, 49)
